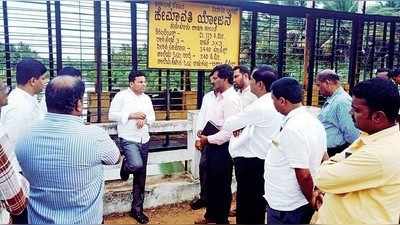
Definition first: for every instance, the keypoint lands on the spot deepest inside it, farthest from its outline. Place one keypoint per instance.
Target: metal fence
(105, 39)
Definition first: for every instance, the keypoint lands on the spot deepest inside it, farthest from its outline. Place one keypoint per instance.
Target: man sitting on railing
(134, 112)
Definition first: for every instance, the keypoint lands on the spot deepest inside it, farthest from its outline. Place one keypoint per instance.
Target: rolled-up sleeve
(362, 170)
(115, 113)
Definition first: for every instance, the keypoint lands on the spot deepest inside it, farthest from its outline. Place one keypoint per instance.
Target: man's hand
(198, 145)
(317, 199)
(203, 140)
(140, 123)
(199, 133)
(137, 116)
(236, 133)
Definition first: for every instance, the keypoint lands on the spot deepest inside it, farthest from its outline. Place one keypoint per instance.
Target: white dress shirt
(228, 104)
(22, 111)
(246, 96)
(126, 102)
(300, 144)
(261, 122)
(206, 109)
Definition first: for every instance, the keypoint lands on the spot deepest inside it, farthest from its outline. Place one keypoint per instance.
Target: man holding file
(219, 164)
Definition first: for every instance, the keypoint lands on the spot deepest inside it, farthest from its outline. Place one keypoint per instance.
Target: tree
(386, 8)
(340, 5)
(289, 2)
(17, 52)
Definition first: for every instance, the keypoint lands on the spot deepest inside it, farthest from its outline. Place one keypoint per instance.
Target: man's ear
(32, 81)
(378, 116)
(79, 106)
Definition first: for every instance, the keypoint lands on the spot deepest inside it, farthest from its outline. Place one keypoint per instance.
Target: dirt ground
(170, 214)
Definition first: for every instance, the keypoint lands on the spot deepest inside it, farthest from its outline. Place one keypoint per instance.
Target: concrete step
(160, 190)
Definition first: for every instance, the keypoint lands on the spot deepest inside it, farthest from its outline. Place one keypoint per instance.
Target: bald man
(335, 113)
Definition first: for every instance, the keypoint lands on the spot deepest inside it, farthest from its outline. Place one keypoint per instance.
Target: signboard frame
(183, 68)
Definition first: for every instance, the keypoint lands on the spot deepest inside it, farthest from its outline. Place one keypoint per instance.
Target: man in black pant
(257, 122)
(207, 106)
(219, 163)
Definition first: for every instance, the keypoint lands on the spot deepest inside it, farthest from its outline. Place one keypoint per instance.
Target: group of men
(289, 163)
(51, 163)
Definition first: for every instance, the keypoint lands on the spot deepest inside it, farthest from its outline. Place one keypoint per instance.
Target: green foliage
(340, 5)
(289, 2)
(17, 52)
(386, 8)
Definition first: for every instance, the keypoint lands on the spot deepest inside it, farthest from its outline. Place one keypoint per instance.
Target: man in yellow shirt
(362, 184)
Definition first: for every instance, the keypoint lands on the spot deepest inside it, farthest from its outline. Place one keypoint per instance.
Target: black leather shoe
(197, 203)
(140, 217)
(122, 173)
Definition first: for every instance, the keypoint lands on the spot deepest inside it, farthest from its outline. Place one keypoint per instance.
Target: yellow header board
(192, 36)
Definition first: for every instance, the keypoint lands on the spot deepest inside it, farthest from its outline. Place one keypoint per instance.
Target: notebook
(210, 129)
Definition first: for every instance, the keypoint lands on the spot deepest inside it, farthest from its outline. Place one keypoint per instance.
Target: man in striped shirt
(13, 186)
(63, 160)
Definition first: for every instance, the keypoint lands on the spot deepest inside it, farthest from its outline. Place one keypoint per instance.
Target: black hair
(27, 69)
(265, 74)
(394, 73)
(330, 75)
(380, 95)
(289, 89)
(135, 73)
(71, 71)
(225, 71)
(242, 69)
(63, 93)
(381, 70)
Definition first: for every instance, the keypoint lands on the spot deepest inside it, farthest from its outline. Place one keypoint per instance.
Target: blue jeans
(136, 155)
(301, 215)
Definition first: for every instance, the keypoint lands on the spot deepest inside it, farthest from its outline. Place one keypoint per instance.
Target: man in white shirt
(206, 109)
(65, 71)
(241, 82)
(296, 154)
(133, 110)
(23, 109)
(260, 121)
(219, 163)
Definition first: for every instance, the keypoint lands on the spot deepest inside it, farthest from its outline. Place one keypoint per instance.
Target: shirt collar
(227, 92)
(26, 94)
(368, 139)
(63, 117)
(337, 92)
(293, 113)
(245, 90)
(133, 93)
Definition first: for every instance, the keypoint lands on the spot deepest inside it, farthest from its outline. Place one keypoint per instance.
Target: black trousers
(219, 166)
(203, 176)
(250, 202)
(21, 218)
(301, 215)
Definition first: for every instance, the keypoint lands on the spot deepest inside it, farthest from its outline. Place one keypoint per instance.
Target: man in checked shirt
(13, 186)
